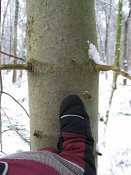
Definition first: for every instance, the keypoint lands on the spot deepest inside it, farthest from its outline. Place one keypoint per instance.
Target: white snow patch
(98, 149)
(94, 54)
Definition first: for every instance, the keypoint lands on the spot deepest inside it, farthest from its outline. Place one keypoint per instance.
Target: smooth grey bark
(57, 34)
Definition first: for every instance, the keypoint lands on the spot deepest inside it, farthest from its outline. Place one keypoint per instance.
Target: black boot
(74, 118)
(76, 142)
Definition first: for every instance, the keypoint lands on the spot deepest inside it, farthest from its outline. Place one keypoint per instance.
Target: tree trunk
(129, 41)
(57, 34)
(15, 38)
(125, 63)
(1, 89)
(2, 37)
(1, 86)
(117, 56)
(108, 18)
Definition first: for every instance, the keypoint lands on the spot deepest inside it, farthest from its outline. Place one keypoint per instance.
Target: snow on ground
(116, 158)
(13, 114)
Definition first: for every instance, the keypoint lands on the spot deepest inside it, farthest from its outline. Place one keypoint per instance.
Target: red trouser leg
(77, 147)
(76, 142)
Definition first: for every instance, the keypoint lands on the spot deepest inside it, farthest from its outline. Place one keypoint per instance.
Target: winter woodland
(113, 19)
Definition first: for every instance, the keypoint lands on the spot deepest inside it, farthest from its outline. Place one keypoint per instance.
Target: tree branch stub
(14, 67)
(35, 67)
(99, 67)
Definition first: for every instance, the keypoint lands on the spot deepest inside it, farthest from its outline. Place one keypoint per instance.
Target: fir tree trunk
(57, 34)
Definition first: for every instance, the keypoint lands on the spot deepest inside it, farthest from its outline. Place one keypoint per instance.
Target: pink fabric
(73, 148)
(52, 150)
(29, 167)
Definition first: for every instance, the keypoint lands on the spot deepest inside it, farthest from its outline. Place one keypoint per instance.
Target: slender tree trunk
(23, 41)
(125, 64)
(1, 89)
(117, 56)
(126, 33)
(4, 16)
(0, 86)
(129, 40)
(57, 33)
(10, 35)
(108, 17)
(2, 42)
(15, 38)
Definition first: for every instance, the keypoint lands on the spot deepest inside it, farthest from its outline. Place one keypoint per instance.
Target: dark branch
(18, 58)
(15, 101)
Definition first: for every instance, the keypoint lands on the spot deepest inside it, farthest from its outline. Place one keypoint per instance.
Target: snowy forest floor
(116, 158)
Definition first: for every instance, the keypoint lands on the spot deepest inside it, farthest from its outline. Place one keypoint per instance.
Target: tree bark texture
(117, 55)
(108, 18)
(57, 34)
(15, 38)
(129, 41)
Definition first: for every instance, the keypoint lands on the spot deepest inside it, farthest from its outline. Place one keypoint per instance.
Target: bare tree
(126, 33)
(117, 56)
(15, 37)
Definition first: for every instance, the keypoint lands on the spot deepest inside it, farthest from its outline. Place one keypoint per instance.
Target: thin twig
(99, 67)
(15, 101)
(18, 58)
(16, 129)
(5, 114)
(3, 153)
(108, 4)
(6, 130)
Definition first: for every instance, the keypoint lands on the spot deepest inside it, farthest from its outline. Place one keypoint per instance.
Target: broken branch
(99, 67)
(2, 92)
(14, 66)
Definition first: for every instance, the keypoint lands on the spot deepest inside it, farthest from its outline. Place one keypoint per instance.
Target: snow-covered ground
(13, 114)
(116, 158)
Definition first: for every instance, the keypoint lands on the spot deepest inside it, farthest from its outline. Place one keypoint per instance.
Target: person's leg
(76, 142)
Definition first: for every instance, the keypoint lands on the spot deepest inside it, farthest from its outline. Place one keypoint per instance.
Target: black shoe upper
(73, 105)
(73, 116)
(74, 119)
